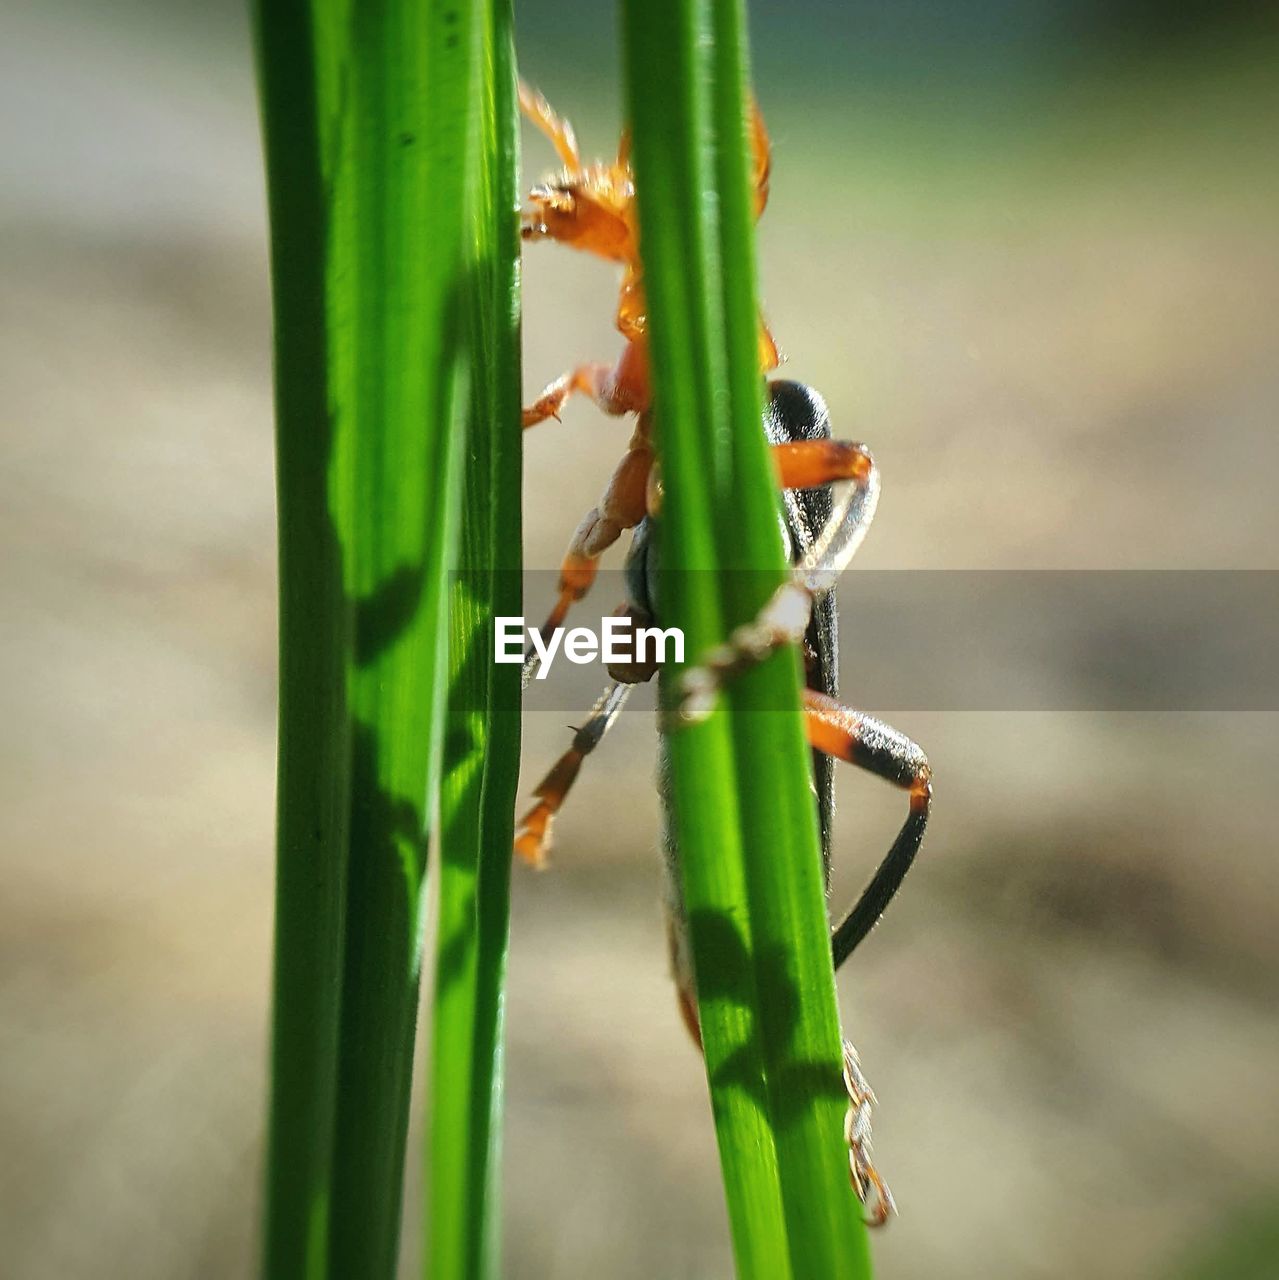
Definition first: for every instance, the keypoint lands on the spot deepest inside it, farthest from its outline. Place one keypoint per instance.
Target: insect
(830, 490)
(592, 208)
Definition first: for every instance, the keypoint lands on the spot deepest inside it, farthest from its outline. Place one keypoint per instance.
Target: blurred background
(1027, 250)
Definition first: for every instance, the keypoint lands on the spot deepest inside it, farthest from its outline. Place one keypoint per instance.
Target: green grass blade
(314, 728)
(369, 114)
(482, 742)
(744, 812)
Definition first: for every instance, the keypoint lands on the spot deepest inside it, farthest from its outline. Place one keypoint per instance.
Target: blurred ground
(1051, 314)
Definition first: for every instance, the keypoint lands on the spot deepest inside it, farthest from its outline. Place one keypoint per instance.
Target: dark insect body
(830, 489)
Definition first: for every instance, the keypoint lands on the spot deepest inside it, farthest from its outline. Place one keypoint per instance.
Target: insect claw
(872, 1191)
(529, 670)
(883, 1206)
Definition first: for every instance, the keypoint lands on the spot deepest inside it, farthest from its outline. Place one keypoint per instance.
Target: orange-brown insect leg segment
(810, 464)
(577, 576)
(534, 837)
(762, 158)
(586, 379)
(801, 464)
(607, 385)
(622, 506)
(859, 739)
(688, 1013)
(555, 127)
(546, 203)
(850, 470)
(769, 354)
